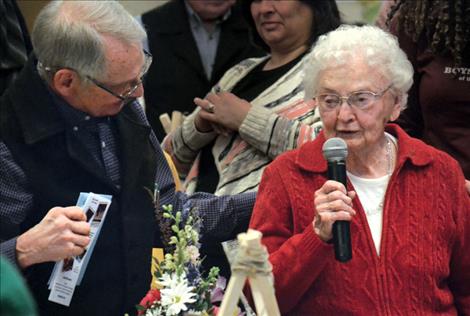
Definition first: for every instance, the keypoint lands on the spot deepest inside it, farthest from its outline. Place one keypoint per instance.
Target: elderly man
(71, 124)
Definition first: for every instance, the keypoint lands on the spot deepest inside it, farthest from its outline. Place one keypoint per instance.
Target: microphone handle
(341, 232)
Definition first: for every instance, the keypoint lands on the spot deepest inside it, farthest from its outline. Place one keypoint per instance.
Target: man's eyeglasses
(127, 94)
(361, 100)
(130, 89)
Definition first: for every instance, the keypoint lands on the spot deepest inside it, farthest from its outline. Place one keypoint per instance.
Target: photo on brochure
(80, 257)
(68, 264)
(89, 214)
(100, 212)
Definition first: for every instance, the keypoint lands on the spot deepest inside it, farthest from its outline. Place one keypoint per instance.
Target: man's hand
(467, 186)
(62, 233)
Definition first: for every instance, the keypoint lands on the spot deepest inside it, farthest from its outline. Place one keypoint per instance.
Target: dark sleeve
(15, 43)
(223, 216)
(15, 201)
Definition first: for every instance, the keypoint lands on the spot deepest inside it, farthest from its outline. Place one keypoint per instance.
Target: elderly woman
(406, 201)
(256, 111)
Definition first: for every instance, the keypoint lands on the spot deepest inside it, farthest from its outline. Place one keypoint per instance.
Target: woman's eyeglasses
(361, 100)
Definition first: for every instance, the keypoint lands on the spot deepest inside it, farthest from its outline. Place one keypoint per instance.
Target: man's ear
(65, 82)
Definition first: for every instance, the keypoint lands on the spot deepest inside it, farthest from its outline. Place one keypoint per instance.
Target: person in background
(435, 36)
(70, 123)
(257, 110)
(382, 15)
(15, 298)
(15, 44)
(194, 42)
(406, 202)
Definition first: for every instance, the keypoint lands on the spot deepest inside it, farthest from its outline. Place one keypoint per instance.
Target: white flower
(176, 297)
(193, 253)
(167, 280)
(156, 311)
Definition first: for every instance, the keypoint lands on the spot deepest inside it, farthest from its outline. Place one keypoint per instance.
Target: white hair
(70, 34)
(374, 46)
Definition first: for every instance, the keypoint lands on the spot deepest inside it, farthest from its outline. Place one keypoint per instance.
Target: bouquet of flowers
(181, 289)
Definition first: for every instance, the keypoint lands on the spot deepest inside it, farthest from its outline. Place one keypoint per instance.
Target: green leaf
(140, 307)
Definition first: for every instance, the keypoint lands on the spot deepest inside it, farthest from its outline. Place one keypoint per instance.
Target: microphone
(335, 152)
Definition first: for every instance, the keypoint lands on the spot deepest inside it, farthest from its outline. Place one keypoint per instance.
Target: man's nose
(266, 6)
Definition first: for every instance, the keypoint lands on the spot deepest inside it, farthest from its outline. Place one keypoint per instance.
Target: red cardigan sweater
(424, 262)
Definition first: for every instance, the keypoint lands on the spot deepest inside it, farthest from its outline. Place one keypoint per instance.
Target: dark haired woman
(435, 34)
(257, 110)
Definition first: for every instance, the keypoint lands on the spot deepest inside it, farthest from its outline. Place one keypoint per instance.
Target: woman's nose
(345, 111)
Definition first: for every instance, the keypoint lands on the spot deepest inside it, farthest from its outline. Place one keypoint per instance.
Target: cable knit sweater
(279, 120)
(424, 262)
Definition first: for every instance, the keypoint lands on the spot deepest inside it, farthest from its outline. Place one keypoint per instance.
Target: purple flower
(218, 292)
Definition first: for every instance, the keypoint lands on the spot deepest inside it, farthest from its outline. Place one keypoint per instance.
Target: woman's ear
(396, 110)
(65, 82)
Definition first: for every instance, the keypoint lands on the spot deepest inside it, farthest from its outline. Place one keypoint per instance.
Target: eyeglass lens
(357, 99)
(145, 68)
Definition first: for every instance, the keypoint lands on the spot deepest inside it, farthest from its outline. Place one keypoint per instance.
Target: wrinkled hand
(62, 233)
(332, 203)
(224, 109)
(203, 125)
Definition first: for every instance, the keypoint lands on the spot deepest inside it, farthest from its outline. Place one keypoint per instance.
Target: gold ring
(210, 108)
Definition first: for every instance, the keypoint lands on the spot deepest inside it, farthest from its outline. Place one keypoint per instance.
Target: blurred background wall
(30, 8)
(352, 10)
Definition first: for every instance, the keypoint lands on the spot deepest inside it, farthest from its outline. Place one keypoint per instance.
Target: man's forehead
(123, 61)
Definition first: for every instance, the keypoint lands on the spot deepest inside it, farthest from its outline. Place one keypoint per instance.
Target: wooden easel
(260, 279)
(169, 125)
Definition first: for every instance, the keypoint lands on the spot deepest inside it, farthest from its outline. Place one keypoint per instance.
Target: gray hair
(68, 34)
(376, 47)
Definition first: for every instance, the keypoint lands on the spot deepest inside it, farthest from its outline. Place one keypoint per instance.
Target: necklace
(389, 155)
(373, 190)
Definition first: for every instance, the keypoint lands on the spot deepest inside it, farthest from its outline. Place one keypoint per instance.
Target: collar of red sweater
(409, 149)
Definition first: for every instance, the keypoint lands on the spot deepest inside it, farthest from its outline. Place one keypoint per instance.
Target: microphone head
(335, 149)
